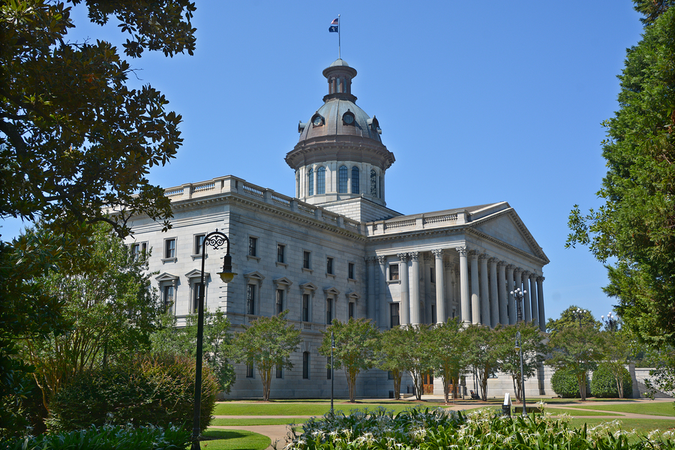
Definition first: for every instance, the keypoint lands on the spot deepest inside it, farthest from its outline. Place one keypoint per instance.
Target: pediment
(256, 276)
(353, 296)
(507, 227)
(196, 273)
(166, 277)
(331, 291)
(283, 282)
(308, 287)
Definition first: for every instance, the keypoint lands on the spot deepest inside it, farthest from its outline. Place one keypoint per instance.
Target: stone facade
(336, 250)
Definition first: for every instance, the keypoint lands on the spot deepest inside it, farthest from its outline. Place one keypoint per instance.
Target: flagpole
(339, 43)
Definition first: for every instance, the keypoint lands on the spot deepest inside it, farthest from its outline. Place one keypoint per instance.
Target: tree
(572, 316)
(267, 342)
(577, 349)
(618, 349)
(217, 343)
(633, 232)
(356, 345)
(448, 349)
(393, 356)
(108, 305)
(408, 347)
(533, 348)
(483, 354)
(74, 139)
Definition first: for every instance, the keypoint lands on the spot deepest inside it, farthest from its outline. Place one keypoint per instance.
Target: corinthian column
(475, 288)
(494, 293)
(540, 300)
(526, 297)
(441, 313)
(415, 307)
(465, 312)
(513, 314)
(533, 298)
(484, 294)
(383, 310)
(503, 296)
(405, 289)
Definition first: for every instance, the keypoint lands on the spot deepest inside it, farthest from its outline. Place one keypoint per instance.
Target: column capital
(381, 259)
(438, 252)
(461, 250)
(402, 256)
(510, 267)
(540, 278)
(532, 276)
(517, 269)
(414, 256)
(493, 260)
(501, 264)
(370, 259)
(525, 274)
(484, 256)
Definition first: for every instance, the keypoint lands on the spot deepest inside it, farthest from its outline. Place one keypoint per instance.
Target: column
(415, 307)
(449, 287)
(540, 301)
(517, 275)
(382, 305)
(513, 314)
(404, 309)
(484, 294)
(494, 295)
(503, 295)
(526, 297)
(533, 298)
(475, 289)
(465, 304)
(441, 314)
(370, 299)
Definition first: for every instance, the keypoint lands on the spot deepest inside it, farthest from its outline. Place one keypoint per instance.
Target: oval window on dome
(348, 118)
(317, 120)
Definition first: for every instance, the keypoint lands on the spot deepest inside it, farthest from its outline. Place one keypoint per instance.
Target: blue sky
(480, 102)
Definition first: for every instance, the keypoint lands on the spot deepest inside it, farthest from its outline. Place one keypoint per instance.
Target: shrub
(107, 437)
(604, 385)
(153, 390)
(565, 384)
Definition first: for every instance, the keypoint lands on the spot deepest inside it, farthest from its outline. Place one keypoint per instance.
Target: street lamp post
(519, 294)
(332, 373)
(215, 239)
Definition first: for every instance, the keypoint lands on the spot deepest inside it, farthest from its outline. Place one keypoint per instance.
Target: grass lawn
(640, 425)
(250, 422)
(303, 409)
(234, 440)
(576, 413)
(655, 408)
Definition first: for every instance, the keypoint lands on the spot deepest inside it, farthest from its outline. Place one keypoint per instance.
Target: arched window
(355, 180)
(373, 183)
(343, 178)
(321, 180)
(310, 182)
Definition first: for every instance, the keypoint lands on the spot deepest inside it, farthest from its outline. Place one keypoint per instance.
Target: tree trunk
(351, 382)
(582, 386)
(266, 378)
(397, 384)
(619, 384)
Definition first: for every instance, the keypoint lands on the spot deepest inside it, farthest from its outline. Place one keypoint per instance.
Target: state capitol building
(335, 251)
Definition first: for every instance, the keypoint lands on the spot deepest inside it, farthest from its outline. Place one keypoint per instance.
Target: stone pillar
(449, 287)
(533, 298)
(475, 289)
(513, 314)
(518, 283)
(404, 310)
(382, 304)
(484, 292)
(540, 301)
(465, 305)
(415, 306)
(526, 297)
(503, 295)
(441, 314)
(370, 299)
(494, 295)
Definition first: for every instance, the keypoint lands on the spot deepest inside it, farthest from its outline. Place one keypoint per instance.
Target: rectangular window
(249, 370)
(393, 309)
(199, 242)
(169, 248)
(281, 253)
(280, 372)
(329, 311)
(135, 251)
(168, 296)
(351, 310)
(250, 299)
(305, 307)
(306, 262)
(393, 272)
(305, 365)
(350, 271)
(252, 246)
(280, 301)
(328, 369)
(329, 266)
(432, 274)
(196, 291)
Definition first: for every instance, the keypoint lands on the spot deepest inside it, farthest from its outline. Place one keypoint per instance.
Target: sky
(480, 102)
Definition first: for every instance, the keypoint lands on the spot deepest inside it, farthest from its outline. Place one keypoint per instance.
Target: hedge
(566, 385)
(604, 384)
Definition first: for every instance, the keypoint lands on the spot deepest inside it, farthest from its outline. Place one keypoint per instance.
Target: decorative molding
(308, 287)
(414, 256)
(382, 260)
(331, 291)
(438, 253)
(165, 276)
(461, 250)
(403, 257)
(282, 283)
(196, 273)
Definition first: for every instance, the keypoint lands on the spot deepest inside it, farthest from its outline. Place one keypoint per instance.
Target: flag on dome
(333, 26)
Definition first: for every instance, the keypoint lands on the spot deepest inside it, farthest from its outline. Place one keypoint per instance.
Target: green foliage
(484, 353)
(267, 342)
(356, 346)
(533, 348)
(662, 377)
(633, 232)
(573, 316)
(604, 384)
(408, 349)
(448, 348)
(565, 383)
(393, 356)
(108, 437)
(153, 390)
(217, 343)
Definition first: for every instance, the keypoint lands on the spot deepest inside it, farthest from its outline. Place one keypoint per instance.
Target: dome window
(348, 118)
(318, 120)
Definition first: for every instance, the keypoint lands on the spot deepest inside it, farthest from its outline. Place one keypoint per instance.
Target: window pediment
(308, 287)
(254, 276)
(166, 277)
(196, 273)
(331, 291)
(282, 283)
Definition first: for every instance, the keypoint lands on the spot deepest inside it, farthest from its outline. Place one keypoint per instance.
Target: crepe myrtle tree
(532, 345)
(356, 346)
(392, 356)
(448, 349)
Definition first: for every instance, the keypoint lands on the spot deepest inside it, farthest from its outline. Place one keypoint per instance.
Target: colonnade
(476, 284)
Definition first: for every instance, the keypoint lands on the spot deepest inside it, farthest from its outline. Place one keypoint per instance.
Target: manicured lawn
(234, 440)
(250, 422)
(641, 425)
(651, 408)
(576, 413)
(302, 409)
